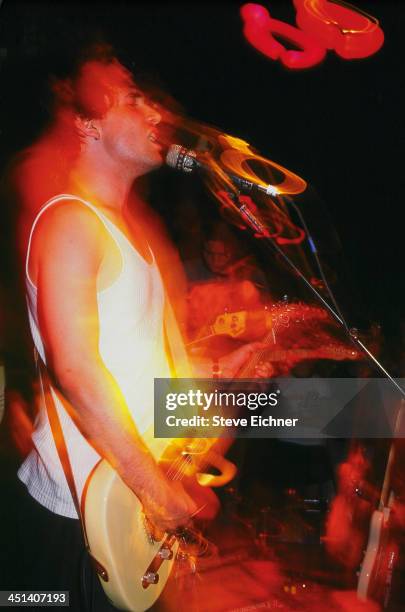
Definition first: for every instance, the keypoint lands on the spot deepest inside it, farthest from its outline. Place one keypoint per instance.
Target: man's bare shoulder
(70, 219)
(71, 216)
(68, 236)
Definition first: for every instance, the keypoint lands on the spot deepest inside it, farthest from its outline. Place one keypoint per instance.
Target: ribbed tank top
(131, 344)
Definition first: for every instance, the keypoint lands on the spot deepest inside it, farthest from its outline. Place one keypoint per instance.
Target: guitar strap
(59, 438)
(174, 345)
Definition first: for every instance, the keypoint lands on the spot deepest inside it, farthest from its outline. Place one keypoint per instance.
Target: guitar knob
(165, 553)
(150, 578)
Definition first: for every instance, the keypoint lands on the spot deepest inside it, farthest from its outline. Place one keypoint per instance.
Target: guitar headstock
(230, 323)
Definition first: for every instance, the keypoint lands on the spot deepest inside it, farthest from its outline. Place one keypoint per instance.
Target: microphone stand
(380, 516)
(257, 226)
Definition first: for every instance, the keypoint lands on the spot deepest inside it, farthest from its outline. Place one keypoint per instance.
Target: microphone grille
(173, 155)
(180, 158)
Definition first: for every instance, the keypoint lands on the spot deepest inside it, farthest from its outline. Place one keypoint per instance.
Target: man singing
(96, 306)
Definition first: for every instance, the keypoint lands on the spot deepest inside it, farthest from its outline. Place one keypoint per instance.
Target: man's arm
(69, 247)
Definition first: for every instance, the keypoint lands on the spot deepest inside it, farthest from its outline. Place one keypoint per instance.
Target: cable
(314, 251)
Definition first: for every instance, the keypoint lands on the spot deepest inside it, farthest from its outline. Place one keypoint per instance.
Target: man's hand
(170, 508)
(264, 369)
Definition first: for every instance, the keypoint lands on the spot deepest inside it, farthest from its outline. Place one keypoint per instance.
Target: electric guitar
(132, 562)
(381, 556)
(252, 325)
(283, 315)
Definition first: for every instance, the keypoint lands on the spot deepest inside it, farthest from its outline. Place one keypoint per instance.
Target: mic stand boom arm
(257, 226)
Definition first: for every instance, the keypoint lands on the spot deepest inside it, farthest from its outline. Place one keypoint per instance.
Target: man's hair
(88, 85)
(84, 86)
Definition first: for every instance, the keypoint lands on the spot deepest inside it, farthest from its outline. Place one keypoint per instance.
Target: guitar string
(176, 473)
(178, 468)
(255, 358)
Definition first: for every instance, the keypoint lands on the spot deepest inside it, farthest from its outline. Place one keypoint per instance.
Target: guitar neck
(248, 370)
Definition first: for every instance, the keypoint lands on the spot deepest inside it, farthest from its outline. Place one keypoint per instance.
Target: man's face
(217, 256)
(128, 130)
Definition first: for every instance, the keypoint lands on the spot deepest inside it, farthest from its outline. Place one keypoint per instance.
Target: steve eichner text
(221, 398)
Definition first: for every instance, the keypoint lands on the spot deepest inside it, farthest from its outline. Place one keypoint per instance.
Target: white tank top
(131, 344)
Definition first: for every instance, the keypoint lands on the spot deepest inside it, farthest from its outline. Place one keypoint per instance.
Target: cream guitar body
(133, 567)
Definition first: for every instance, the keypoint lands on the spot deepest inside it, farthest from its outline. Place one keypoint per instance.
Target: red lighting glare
(322, 25)
(260, 28)
(347, 30)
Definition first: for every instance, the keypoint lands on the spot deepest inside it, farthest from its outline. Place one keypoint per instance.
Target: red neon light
(350, 32)
(323, 25)
(259, 29)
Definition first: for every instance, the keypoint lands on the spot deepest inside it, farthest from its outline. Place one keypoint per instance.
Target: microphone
(186, 160)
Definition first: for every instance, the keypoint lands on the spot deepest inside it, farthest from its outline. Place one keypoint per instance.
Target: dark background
(338, 125)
